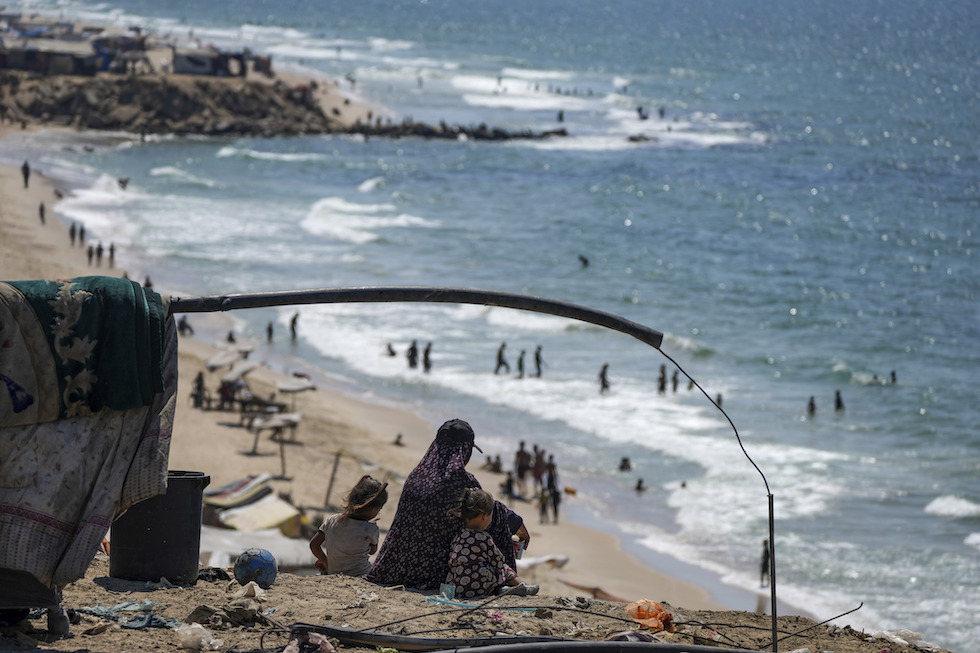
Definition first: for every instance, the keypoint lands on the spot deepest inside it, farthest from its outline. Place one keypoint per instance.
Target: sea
(788, 191)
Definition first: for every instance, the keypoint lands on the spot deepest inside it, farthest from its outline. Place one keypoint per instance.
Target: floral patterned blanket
(88, 377)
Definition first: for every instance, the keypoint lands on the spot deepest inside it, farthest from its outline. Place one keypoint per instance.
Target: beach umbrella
(238, 370)
(222, 359)
(294, 386)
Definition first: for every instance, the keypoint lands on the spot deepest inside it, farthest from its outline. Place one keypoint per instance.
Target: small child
(476, 565)
(352, 535)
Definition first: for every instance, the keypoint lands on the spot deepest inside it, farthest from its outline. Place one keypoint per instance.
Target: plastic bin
(161, 537)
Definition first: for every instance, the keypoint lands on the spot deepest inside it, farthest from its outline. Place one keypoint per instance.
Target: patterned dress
(415, 552)
(476, 566)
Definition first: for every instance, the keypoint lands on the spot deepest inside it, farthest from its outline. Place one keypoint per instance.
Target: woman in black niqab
(415, 552)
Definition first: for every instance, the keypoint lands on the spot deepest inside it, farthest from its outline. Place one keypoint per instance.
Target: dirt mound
(118, 615)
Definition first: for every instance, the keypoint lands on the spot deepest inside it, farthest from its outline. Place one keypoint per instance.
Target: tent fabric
(87, 453)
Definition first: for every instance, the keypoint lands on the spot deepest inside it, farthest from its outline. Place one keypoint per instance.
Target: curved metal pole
(433, 294)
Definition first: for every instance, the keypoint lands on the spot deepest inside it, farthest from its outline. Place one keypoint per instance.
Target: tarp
(268, 512)
(220, 547)
(89, 367)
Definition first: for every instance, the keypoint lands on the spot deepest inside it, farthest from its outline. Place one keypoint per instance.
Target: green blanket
(104, 346)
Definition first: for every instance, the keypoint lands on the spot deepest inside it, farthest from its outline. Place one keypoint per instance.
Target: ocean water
(802, 220)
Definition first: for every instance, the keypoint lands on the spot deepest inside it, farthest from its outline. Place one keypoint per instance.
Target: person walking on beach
(551, 471)
(539, 468)
(764, 565)
(426, 358)
(91, 254)
(538, 362)
(353, 535)
(25, 170)
(268, 332)
(81, 235)
(40, 211)
(544, 501)
(501, 361)
(98, 254)
(522, 463)
(604, 379)
(71, 234)
(184, 327)
(520, 365)
(292, 326)
(662, 380)
(112, 255)
(413, 355)
(507, 488)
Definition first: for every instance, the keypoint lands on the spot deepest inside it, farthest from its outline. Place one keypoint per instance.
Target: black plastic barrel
(161, 537)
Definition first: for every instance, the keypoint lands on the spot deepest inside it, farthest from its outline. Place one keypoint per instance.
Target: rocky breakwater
(210, 106)
(158, 104)
(480, 132)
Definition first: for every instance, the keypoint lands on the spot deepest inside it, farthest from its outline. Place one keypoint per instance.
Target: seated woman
(415, 553)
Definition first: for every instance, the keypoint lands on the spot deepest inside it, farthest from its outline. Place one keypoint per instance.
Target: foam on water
(372, 184)
(102, 208)
(249, 153)
(951, 506)
(357, 223)
(182, 176)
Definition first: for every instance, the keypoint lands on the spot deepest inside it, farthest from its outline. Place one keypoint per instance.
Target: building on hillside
(49, 56)
(191, 61)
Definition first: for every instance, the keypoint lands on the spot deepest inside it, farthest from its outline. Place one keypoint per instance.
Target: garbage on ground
(250, 588)
(98, 629)
(213, 574)
(651, 614)
(196, 637)
(309, 642)
(239, 612)
(113, 613)
(150, 620)
(633, 636)
(905, 637)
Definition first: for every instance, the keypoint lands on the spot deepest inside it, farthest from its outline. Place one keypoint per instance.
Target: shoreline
(332, 421)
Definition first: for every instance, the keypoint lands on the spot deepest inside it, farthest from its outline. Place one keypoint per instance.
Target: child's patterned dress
(476, 566)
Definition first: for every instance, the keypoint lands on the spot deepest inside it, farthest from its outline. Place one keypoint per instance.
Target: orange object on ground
(651, 614)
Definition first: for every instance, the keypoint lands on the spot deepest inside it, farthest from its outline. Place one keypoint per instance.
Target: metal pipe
(772, 572)
(432, 294)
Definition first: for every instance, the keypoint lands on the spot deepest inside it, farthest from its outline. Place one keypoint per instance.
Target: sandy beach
(331, 423)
